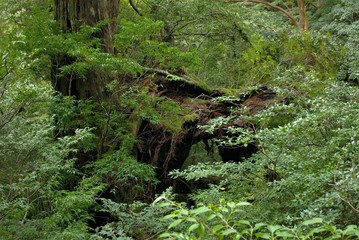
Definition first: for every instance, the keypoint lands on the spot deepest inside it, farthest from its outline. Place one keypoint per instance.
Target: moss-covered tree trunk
(71, 14)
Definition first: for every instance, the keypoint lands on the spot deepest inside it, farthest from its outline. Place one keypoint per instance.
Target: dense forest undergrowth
(163, 119)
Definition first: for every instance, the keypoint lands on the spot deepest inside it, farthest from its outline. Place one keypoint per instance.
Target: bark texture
(71, 14)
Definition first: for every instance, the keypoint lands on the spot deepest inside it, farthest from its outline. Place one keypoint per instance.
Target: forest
(179, 119)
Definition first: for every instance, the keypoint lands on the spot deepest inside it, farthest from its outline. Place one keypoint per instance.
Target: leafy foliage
(314, 144)
(134, 221)
(68, 169)
(224, 221)
(344, 26)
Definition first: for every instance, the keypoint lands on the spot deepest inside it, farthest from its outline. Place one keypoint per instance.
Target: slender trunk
(303, 18)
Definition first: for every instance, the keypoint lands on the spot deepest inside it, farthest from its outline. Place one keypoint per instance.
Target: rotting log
(167, 151)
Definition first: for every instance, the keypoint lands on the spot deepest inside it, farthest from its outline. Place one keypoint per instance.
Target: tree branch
(316, 5)
(185, 79)
(12, 115)
(285, 12)
(348, 203)
(169, 75)
(135, 8)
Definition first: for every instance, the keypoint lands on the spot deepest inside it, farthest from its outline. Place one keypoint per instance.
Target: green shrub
(224, 221)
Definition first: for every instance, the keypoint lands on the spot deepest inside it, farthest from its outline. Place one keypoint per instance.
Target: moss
(173, 115)
(195, 101)
(197, 82)
(204, 86)
(231, 91)
(190, 117)
(135, 124)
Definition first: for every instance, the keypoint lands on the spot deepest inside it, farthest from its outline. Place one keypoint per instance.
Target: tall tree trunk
(71, 14)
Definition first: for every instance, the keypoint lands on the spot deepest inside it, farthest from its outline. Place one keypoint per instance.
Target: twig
(348, 203)
(345, 200)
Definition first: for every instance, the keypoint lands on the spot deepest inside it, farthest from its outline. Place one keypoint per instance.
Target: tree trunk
(303, 18)
(71, 14)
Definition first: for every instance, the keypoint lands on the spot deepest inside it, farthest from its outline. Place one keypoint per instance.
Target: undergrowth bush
(224, 221)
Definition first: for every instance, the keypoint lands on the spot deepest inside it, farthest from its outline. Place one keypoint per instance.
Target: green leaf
(272, 229)
(175, 223)
(316, 230)
(351, 230)
(191, 219)
(201, 230)
(165, 235)
(231, 204)
(193, 227)
(169, 216)
(217, 227)
(229, 231)
(312, 221)
(182, 212)
(211, 217)
(243, 222)
(200, 210)
(224, 209)
(259, 225)
(284, 234)
(263, 235)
